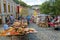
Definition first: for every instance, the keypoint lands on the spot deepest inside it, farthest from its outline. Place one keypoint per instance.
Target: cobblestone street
(20, 19)
(42, 34)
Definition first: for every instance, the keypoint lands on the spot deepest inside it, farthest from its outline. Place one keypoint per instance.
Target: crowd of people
(50, 19)
(54, 22)
(10, 20)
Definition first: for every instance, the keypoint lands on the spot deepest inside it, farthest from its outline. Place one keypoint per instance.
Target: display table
(12, 32)
(43, 24)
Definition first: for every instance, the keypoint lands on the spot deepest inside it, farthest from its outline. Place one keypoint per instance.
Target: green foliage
(29, 6)
(57, 7)
(47, 8)
(22, 3)
(16, 1)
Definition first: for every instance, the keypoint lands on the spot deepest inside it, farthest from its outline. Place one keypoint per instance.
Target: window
(4, 7)
(8, 8)
(0, 7)
(12, 8)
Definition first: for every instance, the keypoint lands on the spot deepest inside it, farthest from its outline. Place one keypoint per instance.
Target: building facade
(7, 7)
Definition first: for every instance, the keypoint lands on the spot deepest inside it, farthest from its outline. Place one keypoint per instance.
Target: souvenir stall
(43, 21)
(17, 29)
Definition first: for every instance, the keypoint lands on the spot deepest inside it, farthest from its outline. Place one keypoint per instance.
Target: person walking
(28, 19)
(19, 17)
(12, 19)
(7, 18)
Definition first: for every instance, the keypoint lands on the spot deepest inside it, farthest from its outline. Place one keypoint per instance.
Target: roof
(34, 5)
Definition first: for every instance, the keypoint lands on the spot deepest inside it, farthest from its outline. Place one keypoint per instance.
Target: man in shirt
(28, 18)
(6, 26)
(11, 19)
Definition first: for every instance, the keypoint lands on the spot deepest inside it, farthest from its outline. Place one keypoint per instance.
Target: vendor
(6, 26)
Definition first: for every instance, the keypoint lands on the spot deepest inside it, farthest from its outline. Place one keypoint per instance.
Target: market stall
(17, 29)
(43, 21)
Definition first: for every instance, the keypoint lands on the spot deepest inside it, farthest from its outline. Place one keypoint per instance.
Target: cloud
(34, 2)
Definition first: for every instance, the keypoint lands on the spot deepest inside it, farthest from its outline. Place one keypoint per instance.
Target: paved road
(43, 34)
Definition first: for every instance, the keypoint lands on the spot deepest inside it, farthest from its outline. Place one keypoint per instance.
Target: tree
(22, 3)
(16, 1)
(57, 7)
(45, 7)
(29, 6)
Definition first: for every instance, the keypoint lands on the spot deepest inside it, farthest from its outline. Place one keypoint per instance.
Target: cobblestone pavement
(42, 34)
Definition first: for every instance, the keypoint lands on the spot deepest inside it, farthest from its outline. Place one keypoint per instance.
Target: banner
(20, 9)
(17, 9)
(35, 13)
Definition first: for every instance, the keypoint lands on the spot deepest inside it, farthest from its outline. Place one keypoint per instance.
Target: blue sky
(34, 2)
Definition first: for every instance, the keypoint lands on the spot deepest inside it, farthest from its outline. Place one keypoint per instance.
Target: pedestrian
(32, 19)
(19, 17)
(12, 19)
(28, 19)
(7, 18)
(47, 18)
(37, 21)
(6, 26)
